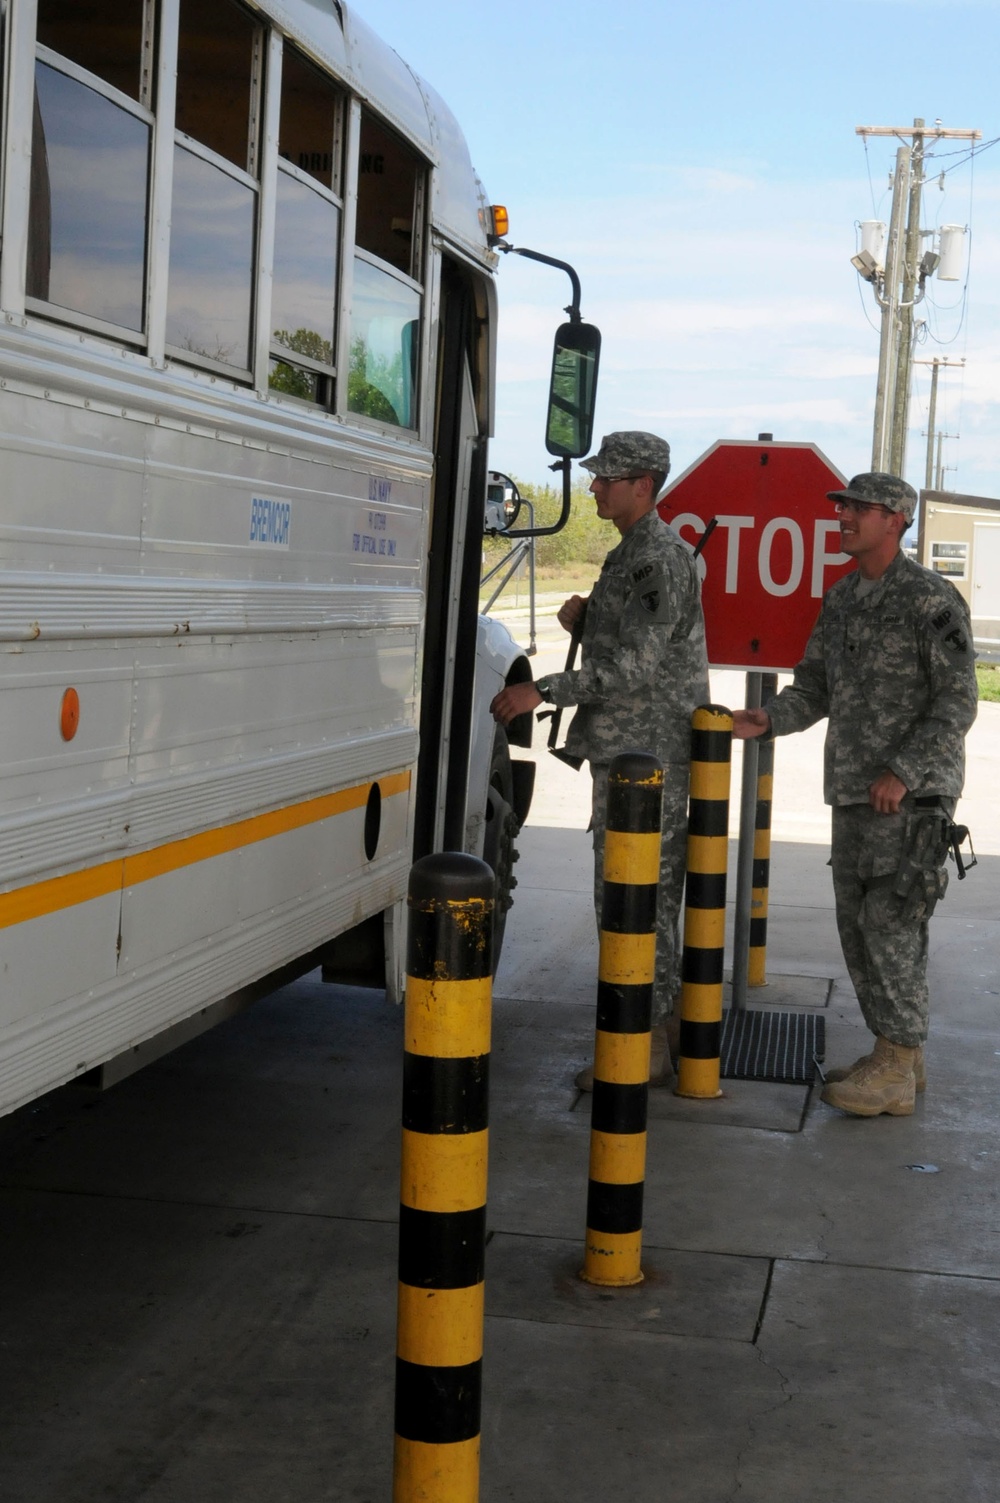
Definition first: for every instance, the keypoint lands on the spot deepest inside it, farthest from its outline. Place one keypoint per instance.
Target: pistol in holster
(931, 837)
(957, 836)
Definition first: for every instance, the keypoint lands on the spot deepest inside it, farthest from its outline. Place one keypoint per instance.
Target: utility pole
(900, 286)
(888, 347)
(931, 425)
(939, 476)
(911, 258)
(935, 364)
(933, 480)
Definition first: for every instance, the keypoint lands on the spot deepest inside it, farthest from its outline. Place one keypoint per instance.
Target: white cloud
(728, 306)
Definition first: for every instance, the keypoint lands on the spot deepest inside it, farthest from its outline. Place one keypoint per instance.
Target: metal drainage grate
(780, 1046)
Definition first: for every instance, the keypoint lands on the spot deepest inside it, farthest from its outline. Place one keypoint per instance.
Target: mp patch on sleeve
(950, 628)
(652, 594)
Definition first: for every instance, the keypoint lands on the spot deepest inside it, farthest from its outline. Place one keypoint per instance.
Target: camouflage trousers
(673, 863)
(883, 935)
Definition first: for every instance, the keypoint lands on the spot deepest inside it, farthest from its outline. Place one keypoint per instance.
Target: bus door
(453, 571)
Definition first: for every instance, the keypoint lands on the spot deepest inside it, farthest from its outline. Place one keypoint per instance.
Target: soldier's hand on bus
(516, 699)
(571, 611)
(748, 724)
(886, 793)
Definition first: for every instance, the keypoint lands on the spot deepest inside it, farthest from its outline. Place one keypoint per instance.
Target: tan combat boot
(661, 1067)
(883, 1083)
(841, 1072)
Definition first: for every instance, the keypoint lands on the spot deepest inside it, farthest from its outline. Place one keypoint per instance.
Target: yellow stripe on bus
(59, 892)
(42, 898)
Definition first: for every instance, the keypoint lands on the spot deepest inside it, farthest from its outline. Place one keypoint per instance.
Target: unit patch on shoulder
(653, 593)
(950, 630)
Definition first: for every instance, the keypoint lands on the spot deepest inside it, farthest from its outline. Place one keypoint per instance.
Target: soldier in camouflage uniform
(644, 669)
(890, 662)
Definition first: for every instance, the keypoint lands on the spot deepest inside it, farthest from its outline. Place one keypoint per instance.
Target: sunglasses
(860, 508)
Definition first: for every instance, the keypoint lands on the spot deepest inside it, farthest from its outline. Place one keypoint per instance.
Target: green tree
(585, 539)
(295, 380)
(369, 378)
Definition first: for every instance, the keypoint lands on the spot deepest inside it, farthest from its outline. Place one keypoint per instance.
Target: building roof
(957, 498)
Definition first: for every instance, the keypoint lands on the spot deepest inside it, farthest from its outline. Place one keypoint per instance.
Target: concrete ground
(198, 1268)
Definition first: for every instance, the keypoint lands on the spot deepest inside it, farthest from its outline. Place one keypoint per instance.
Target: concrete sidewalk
(199, 1267)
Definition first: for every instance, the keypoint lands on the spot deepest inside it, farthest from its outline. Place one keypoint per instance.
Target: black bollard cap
(451, 877)
(635, 767)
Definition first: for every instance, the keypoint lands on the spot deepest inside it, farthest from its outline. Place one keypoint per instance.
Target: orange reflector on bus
(69, 717)
(500, 220)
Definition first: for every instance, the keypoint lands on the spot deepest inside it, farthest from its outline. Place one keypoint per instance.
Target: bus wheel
(501, 829)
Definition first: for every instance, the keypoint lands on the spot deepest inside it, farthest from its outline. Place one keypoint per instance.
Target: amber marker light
(499, 222)
(69, 718)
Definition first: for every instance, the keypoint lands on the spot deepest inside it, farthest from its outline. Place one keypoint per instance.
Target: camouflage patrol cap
(879, 489)
(629, 453)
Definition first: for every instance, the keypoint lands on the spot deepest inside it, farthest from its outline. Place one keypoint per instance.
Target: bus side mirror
(573, 390)
(503, 502)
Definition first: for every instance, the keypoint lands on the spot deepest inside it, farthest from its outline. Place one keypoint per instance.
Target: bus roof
(336, 36)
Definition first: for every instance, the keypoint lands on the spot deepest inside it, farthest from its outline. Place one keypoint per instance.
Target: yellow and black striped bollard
(624, 1003)
(698, 1066)
(442, 1213)
(757, 953)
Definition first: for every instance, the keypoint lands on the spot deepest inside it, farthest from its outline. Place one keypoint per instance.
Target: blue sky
(698, 164)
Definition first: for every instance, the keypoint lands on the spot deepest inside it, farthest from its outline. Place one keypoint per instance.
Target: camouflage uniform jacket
(895, 672)
(644, 667)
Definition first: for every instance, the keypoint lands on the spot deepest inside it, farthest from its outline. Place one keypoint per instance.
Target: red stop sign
(775, 550)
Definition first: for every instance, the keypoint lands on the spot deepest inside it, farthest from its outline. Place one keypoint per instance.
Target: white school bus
(247, 337)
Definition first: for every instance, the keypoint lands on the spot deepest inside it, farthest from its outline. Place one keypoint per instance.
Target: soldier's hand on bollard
(516, 699)
(886, 793)
(571, 611)
(747, 724)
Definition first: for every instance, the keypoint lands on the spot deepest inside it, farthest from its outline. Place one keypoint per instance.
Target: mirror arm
(575, 317)
(574, 309)
(543, 532)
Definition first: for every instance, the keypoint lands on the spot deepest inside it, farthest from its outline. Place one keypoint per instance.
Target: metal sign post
(744, 855)
(774, 554)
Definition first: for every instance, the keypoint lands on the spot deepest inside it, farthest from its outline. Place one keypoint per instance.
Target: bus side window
(390, 176)
(216, 170)
(387, 298)
(307, 233)
(90, 162)
(103, 36)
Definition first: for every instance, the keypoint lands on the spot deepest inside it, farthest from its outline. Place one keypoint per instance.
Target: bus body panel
(232, 584)
(218, 682)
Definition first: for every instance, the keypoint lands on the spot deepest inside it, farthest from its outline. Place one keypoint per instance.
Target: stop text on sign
(776, 550)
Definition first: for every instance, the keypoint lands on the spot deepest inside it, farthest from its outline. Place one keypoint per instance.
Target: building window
(307, 233)
(951, 559)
